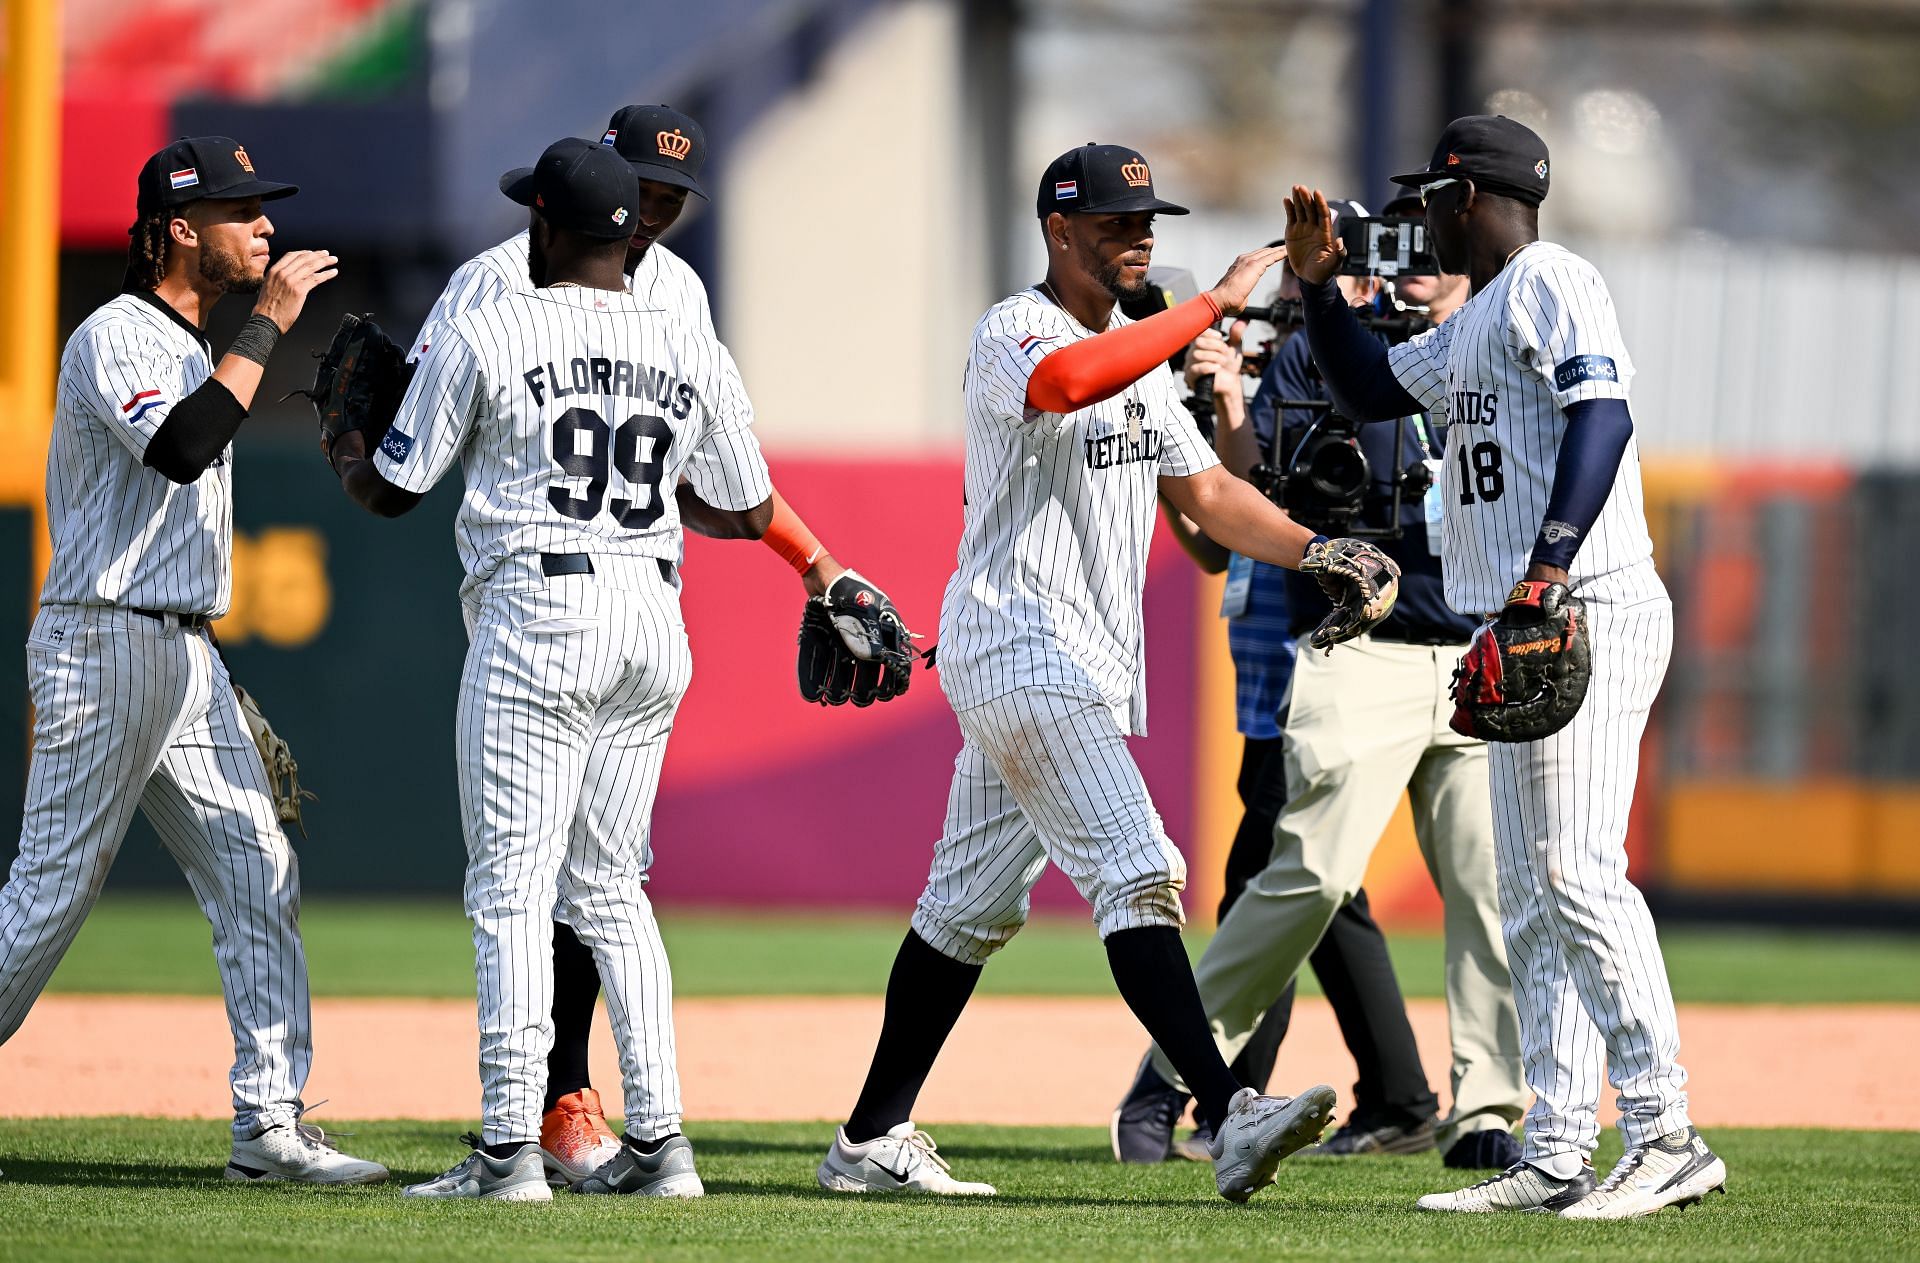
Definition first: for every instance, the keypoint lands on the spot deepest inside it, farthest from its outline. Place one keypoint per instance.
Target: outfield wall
(1783, 769)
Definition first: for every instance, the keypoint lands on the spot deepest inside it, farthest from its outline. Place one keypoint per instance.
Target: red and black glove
(1525, 674)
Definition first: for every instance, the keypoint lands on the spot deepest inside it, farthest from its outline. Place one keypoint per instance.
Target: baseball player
(1073, 425)
(132, 704)
(1542, 484)
(667, 150)
(574, 410)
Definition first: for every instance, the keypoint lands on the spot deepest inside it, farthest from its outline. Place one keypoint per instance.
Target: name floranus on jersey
(599, 375)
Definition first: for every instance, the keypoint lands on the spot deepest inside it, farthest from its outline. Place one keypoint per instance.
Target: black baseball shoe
(1143, 1124)
(1491, 1150)
(1360, 1136)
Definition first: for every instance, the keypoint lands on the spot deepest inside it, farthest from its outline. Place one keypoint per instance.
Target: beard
(536, 259)
(1109, 279)
(231, 273)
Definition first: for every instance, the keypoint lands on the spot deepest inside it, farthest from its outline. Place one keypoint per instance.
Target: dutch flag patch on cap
(1066, 189)
(184, 178)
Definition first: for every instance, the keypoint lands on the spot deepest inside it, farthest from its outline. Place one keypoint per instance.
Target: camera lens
(1338, 470)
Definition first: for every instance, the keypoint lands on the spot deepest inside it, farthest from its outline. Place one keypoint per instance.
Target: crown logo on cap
(240, 156)
(673, 144)
(1135, 174)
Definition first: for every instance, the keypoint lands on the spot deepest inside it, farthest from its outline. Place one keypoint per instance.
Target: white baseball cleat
(521, 1177)
(902, 1161)
(298, 1152)
(1676, 1170)
(1259, 1131)
(1521, 1186)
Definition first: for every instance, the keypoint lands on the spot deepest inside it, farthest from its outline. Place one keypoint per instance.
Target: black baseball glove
(853, 646)
(362, 377)
(1360, 580)
(1526, 672)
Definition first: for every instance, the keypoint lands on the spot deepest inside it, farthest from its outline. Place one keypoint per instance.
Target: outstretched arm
(1237, 517)
(1353, 362)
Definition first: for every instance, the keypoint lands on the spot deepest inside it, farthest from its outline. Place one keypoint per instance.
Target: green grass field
(139, 1189)
(157, 944)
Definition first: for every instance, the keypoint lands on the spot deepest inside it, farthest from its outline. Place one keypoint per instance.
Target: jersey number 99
(609, 449)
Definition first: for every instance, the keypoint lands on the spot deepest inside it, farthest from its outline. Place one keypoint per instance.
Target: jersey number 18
(607, 448)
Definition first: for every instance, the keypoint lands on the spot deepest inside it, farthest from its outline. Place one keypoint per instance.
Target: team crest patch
(1540, 168)
(620, 216)
(396, 446)
(1585, 368)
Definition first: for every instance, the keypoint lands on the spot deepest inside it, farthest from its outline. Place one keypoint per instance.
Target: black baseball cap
(1100, 180)
(197, 167)
(579, 186)
(1404, 200)
(662, 144)
(1493, 151)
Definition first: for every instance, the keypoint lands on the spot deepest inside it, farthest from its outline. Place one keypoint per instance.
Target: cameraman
(1365, 724)
(1351, 960)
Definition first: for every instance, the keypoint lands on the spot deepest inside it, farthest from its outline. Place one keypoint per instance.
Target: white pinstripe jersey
(1500, 373)
(1059, 516)
(574, 413)
(662, 278)
(123, 534)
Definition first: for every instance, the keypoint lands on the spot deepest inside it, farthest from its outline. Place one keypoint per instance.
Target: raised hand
(1237, 285)
(1312, 248)
(291, 278)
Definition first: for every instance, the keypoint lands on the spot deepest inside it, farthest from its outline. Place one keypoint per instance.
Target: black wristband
(255, 339)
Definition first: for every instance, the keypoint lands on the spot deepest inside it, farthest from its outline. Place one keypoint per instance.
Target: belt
(552, 564)
(193, 622)
(1403, 636)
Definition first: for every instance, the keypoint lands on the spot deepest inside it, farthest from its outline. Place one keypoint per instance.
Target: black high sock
(925, 994)
(506, 1150)
(648, 1148)
(576, 986)
(1156, 981)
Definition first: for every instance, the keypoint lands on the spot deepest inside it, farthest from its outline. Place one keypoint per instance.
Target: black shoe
(1143, 1124)
(1492, 1150)
(1360, 1136)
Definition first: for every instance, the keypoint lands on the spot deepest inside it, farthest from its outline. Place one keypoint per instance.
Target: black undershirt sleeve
(1590, 452)
(1352, 362)
(195, 433)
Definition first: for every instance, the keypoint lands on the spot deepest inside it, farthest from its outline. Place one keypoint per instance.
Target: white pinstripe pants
(566, 702)
(1588, 974)
(1044, 774)
(131, 712)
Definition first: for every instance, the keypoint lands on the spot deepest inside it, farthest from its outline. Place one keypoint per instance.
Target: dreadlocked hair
(146, 252)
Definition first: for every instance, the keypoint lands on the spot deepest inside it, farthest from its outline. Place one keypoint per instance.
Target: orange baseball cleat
(575, 1140)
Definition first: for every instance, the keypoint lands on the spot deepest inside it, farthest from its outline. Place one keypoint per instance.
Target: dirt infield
(1012, 1060)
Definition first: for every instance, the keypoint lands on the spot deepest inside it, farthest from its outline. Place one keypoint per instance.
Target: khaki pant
(1367, 722)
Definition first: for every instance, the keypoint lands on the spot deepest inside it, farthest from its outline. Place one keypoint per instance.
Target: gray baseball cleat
(298, 1152)
(1259, 1131)
(519, 1177)
(666, 1172)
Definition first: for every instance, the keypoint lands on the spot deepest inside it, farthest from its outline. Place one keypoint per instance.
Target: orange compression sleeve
(1100, 367)
(789, 537)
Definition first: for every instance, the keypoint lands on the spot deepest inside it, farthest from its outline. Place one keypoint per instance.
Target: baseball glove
(362, 377)
(283, 774)
(1526, 672)
(1360, 580)
(853, 646)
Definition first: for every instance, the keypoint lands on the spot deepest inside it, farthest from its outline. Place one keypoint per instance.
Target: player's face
(233, 236)
(1447, 226)
(660, 205)
(1115, 250)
